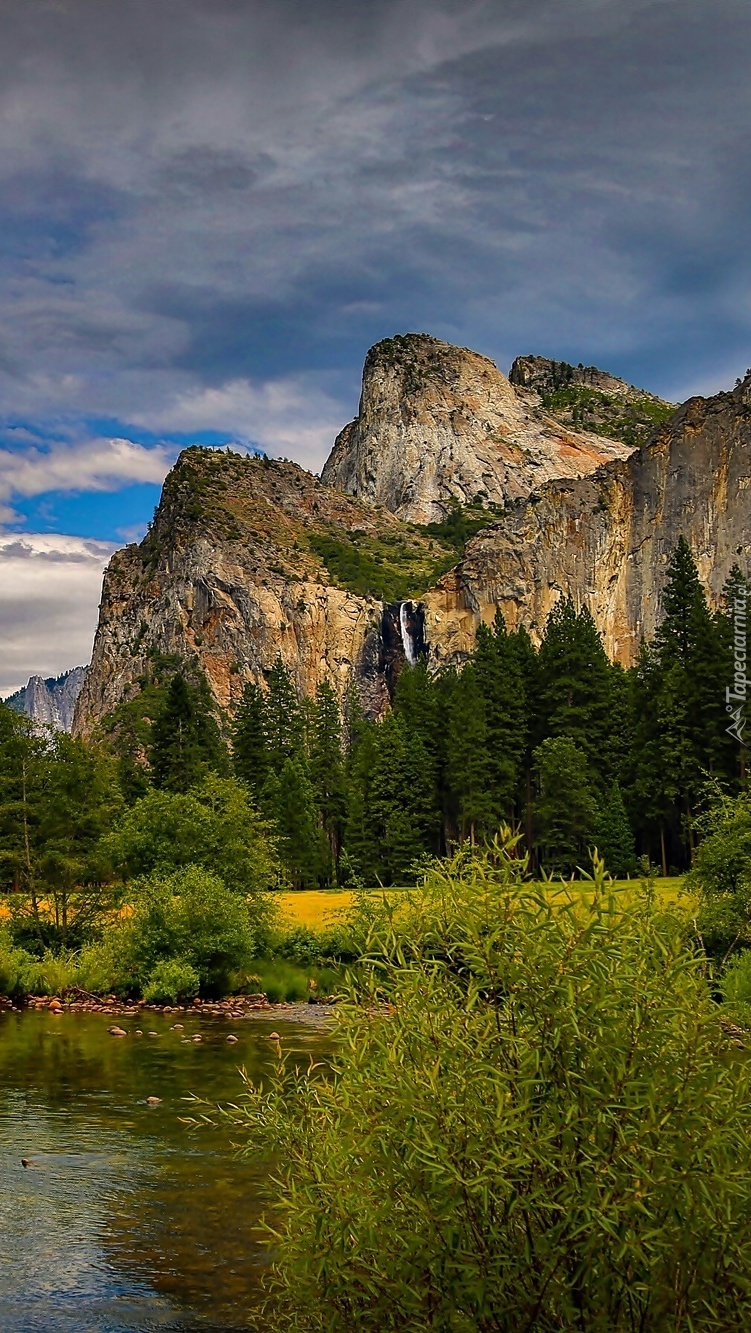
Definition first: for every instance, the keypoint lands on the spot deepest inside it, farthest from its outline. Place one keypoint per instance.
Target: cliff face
(606, 539)
(50, 702)
(586, 398)
(439, 424)
(249, 560)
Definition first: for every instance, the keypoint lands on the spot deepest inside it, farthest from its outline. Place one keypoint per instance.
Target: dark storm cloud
(214, 206)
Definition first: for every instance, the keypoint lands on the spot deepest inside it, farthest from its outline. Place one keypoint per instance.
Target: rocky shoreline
(236, 1007)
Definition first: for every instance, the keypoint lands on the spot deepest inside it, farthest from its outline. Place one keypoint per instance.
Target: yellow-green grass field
(318, 909)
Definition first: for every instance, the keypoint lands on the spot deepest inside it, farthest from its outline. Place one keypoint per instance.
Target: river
(124, 1219)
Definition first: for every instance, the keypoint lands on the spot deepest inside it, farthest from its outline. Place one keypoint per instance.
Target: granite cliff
(606, 539)
(249, 559)
(50, 701)
(439, 424)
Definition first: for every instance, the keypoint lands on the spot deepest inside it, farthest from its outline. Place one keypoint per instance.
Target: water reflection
(124, 1220)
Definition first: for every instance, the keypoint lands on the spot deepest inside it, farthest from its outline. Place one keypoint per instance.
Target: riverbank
(236, 1008)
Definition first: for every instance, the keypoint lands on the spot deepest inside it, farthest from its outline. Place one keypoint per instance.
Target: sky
(210, 209)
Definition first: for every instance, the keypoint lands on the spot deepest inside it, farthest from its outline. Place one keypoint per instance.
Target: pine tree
(250, 750)
(468, 765)
(360, 834)
(400, 814)
(575, 683)
(300, 839)
(613, 837)
(327, 772)
(185, 742)
(500, 680)
(565, 809)
(417, 701)
(284, 721)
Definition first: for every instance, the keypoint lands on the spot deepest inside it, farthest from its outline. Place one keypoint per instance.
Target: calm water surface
(127, 1220)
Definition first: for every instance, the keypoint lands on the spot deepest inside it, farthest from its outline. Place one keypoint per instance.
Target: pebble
(177, 1027)
(117, 1032)
(231, 1037)
(153, 1101)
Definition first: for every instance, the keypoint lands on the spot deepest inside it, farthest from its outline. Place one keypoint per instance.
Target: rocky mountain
(50, 702)
(249, 559)
(586, 398)
(606, 539)
(439, 424)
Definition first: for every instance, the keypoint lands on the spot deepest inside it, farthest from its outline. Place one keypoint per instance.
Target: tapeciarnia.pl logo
(735, 698)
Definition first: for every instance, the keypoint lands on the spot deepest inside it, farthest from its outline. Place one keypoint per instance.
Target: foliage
(14, 965)
(392, 568)
(185, 739)
(565, 809)
(171, 980)
(613, 837)
(193, 917)
(215, 825)
(721, 874)
(735, 986)
(537, 1121)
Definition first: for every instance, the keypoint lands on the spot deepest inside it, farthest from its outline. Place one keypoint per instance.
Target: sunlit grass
(321, 908)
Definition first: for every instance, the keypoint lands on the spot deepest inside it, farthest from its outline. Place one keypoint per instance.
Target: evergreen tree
(327, 772)
(22, 777)
(284, 723)
(499, 677)
(359, 835)
(613, 837)
(400, 816)
(417, 701)
(468, 764)
(250, 750)
(185, 741)
(575, 684)
(565, 810)
(294, 815)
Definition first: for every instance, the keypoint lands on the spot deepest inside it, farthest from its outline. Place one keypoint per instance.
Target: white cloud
(49, 593)
(91, 465)
(287, 417)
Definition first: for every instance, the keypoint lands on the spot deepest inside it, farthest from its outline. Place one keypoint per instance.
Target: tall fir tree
(185, 741)
(501, 684)
(250, 749)
(612, 835)
(565, 810)
(575, 684)
(468, 763)
(285, 727)
(327, 773)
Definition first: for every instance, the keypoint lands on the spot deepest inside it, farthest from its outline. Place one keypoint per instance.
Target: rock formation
(50, 702)
(247, 560)
(439, 424)
(250, 559)
(586, 398)
(606, 539)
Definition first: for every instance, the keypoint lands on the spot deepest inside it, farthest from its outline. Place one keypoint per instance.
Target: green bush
(735, 986)
(103, 966)
(191, 916)
(171, 980)
(14, 966)
(721, 875)
(51, 974)
(538, 1131)
(281, 980)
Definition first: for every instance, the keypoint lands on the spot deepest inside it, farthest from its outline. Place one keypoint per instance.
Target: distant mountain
(51, 701)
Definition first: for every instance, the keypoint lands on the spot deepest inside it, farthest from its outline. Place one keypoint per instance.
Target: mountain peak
(440, 425)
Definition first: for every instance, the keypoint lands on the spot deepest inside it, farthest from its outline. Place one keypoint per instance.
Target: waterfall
(409, 651)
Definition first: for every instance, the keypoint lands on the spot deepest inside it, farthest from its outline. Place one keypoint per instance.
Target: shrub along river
(125, 1219)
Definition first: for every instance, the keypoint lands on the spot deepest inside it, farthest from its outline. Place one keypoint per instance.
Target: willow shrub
(533, 1124)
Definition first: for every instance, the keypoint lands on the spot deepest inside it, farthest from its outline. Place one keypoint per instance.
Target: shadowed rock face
(231, 576)
(50, 702)
(586, 398)
(439, 424)
(606, 539)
